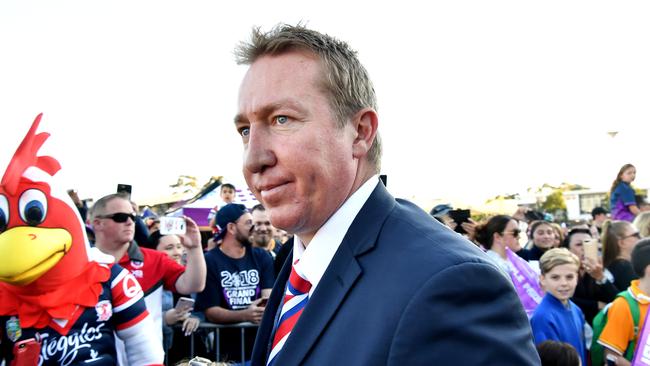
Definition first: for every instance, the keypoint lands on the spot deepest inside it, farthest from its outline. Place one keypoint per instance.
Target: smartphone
(124, 188)
(184, 304)
(26, 353)
(591, 248)
(170, 225)
(460, 216)
(611, 360)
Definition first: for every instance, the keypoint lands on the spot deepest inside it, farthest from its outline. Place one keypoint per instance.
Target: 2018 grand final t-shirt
(233, 283)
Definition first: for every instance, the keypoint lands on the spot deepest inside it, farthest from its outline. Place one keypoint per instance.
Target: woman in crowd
(175, 350)
(559, 235)
(642, 223)
(619, 238)
(499, 237)
(497, 234)
(543, 237)
(621, 195)
(595, 288)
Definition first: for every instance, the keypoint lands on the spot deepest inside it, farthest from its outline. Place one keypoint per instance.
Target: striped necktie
(295, 300)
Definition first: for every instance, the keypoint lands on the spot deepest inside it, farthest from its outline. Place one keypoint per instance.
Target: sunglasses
(636, 235)
(118, 217)
(515, 233)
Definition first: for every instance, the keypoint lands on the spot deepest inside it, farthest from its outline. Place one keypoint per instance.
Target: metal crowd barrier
(215, 328)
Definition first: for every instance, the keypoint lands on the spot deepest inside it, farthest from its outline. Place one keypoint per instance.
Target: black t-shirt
(233, 283)
(623, 273)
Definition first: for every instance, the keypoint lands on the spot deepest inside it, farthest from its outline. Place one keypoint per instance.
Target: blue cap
(441, 210)
(227, 214)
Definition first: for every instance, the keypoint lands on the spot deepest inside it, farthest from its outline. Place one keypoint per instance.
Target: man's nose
(258, 153)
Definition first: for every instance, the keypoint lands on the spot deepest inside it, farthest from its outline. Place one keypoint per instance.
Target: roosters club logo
(104, 310)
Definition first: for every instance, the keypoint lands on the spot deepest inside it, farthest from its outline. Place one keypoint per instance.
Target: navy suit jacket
(403, 290)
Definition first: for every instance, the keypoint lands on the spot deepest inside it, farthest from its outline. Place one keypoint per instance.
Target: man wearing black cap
(238, 278)
(599, 215)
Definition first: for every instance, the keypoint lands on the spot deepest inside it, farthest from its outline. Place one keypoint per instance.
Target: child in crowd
(620, 333)
(543, 238)
(556, 317)
(554, 353)
(227, 194)
(622, 199)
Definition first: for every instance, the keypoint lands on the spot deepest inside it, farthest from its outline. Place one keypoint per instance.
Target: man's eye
(282, 119)
(244, 132)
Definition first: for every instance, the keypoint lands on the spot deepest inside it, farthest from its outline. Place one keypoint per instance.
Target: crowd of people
(575, 285)
(232, 276)
(365, 278)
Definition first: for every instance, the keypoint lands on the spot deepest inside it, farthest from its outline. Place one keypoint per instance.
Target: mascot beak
(26, 252)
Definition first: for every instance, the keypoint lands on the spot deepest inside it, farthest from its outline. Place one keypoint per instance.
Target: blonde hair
(557, 257)
(642, 223)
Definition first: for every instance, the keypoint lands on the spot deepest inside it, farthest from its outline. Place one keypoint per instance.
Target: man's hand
(253, 313)
(192, 237)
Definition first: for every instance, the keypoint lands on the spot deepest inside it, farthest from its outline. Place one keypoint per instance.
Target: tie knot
(297, 284)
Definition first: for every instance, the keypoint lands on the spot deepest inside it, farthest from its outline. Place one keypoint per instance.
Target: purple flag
(526, 282)
(642, 351)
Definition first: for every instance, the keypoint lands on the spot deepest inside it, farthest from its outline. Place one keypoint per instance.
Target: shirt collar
(133, 253)
(636, 292)
(315, 259)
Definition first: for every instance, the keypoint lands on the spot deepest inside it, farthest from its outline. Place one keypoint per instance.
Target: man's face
(244, 225)
(227, 194)
(262, 228)
(111, 232)
(297, 162)
(600, 218)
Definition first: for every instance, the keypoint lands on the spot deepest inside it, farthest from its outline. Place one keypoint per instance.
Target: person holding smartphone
(113, 220)
(595, 287)
(175, 340)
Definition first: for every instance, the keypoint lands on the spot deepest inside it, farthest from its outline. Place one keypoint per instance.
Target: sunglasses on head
(119, 217)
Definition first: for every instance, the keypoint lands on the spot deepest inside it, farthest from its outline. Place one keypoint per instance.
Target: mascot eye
(32, 206)
(4, 213)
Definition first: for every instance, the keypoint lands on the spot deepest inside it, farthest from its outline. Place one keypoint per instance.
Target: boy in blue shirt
(557, 318)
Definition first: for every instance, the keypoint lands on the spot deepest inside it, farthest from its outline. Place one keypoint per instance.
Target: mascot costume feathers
(61, 301)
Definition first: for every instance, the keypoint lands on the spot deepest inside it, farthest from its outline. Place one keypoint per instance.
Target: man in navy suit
(377, 279)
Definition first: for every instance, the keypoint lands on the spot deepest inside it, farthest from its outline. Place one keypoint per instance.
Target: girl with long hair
(621, 196)
(619, 238)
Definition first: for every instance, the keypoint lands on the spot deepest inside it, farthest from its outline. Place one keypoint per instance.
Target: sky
(476, 98)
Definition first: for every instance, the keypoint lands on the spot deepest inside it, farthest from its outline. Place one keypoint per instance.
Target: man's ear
(365, 124)
(230, 227)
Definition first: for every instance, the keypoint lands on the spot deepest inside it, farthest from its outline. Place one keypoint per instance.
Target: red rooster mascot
(61, 301)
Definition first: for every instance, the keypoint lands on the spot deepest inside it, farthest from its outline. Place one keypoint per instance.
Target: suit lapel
(339, 278)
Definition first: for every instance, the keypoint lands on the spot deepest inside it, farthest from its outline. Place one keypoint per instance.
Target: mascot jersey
(90, 339)
(51, 282)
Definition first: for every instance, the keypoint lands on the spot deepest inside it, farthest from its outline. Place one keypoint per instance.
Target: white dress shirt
(315, 259)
